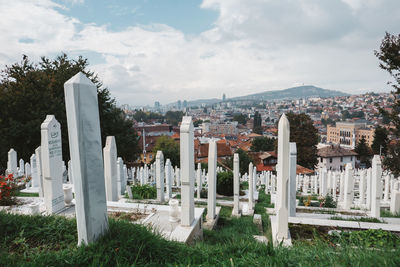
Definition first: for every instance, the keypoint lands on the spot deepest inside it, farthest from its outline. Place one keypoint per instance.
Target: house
(335, 157)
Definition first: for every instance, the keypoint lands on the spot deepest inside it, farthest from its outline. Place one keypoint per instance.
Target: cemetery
(96, 210)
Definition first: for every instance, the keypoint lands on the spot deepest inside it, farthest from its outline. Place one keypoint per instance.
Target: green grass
(387, 213)
(357, 219)
(51, 241)
(23, 194)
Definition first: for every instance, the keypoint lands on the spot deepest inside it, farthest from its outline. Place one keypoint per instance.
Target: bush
(144, 191)
(225, 183)
(328, 202)
(8, 190)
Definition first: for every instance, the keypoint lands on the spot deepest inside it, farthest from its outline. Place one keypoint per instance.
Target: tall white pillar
(292, 179)
(236, 184)
(160, 176)
(212, 179)
(376, 187)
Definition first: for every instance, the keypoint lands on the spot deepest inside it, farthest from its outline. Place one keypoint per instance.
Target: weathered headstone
(35, 179)
(283, 176)
(376, 187)
(292, 179)
(212, 180)
(86, 157)
(110, 169)
(168, 185)
(395, 199)
(12, 162)
(362, 187)
(198, 179)
(251, 188)
(187, 170)
(51, 164)
(38, 152)
(348, 186)
(160, 176)
(120, 176)
(236, 184)
(369, 189)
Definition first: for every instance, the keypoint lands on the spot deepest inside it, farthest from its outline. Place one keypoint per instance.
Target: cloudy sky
(165, 50)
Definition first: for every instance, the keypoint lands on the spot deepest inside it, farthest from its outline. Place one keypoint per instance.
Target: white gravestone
(110, 169)
(292, 179)
(51, 164)
(198, 179)
(38, 152)
(187, 170)
(376, 187)
(85, 148)
(168, 185)
(348, 186)
(120, 176)
(282, 180)
(212, 179)
(160, 176)
(251, 188)
(35, 180)
(236, 184)
(12, 162)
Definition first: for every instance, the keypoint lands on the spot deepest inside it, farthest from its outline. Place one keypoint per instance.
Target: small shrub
(367, 238)
(203, 193)
(8, 190)
(225, 183)
(144, 192)
(327, 202)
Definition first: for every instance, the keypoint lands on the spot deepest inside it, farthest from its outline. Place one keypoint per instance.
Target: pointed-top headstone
(86, 158)
(110, 169)
(283, 176)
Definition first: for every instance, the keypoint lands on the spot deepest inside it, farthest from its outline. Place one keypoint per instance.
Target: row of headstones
(342, 186)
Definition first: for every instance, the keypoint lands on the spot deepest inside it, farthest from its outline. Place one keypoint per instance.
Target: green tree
(364, 152)
(305, 135)
(262, 144)
(257, 123)
(28, 92)
(381, 141)
(173, 117)
(389, 60)
(240, 118)
(170, 149)
(244, 161)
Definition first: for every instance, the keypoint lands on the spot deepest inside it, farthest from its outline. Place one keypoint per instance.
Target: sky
(164, 50)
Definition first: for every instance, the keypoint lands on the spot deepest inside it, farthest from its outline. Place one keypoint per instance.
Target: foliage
(197, 123)
(367, 238)
(387, 213)
(144, 191)
(8, 190)
(244, 161)
(173, 117)
(28, 92)
(240, 118)
(147, 116)
(305, 135)
(262, 144)
(389, 60)
(327, 202)
(225, 183)
(381, 141)
(170, 149)
(364, 152)
(257, 123)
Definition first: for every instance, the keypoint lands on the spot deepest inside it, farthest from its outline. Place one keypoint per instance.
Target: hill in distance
(305, 91)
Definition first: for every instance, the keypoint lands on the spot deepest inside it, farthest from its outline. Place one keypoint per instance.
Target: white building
(335, 158)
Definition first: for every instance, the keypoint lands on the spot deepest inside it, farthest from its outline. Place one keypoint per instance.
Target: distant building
(349, 133)
(335, 157)
(227, 128)
(223, 97)
(157, 105)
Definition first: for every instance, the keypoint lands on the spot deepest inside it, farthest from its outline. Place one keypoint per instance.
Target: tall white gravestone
(376, 187)
(348, 186)
(35, 180)
(110, 169)
(251, 188)
(38, 152)
(236, 184)
(52, 164)
(12, 164)
(212, 179)
(160, 176)
(187, 170)
(86, 157)
(292, 179)
(283, 177)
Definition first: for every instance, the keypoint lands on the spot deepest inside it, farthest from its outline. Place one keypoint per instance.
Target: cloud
(254, 45)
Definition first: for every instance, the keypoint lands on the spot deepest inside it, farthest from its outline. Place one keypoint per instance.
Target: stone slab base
(210, 224)
(246, 211)
(30, 190)
(276, 241)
